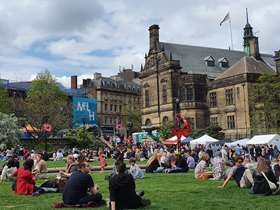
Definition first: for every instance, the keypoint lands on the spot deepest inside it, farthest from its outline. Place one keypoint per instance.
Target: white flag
(226, 18)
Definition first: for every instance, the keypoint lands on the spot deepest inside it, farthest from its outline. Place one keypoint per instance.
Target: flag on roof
(226, 18)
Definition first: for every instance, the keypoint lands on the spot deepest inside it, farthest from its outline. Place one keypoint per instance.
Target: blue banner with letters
(84, 111)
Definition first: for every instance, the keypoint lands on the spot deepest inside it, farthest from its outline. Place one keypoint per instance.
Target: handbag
(272, 186)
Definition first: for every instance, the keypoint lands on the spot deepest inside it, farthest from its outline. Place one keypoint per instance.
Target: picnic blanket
(87, 205)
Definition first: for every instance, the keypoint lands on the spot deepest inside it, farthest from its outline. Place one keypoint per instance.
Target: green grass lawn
(61, 163)
(166, 191)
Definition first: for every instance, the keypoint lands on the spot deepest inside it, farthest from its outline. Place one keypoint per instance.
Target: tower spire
(247, 16)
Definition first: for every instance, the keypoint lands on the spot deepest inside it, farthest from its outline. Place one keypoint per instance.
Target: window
(148, 122)
(229, 96)
(230, 122)
(147, 98)
(189, 93)
(106, 107)
(165, 120)
(213, 121)
(213, 99)
(116, 108)
(164, 93)
(223, 62)
(209, 61)
(199, 94)
(120, 107)
(111, 107)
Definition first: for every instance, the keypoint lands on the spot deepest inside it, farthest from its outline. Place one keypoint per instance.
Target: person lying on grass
(242, 176)
(122, 191)
(79, 184)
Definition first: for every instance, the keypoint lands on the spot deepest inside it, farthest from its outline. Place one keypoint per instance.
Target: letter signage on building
(84, 111)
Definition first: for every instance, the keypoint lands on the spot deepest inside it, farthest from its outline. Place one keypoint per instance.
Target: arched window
(147, 98)
(148, 122)
(164, 93)
(165, 120)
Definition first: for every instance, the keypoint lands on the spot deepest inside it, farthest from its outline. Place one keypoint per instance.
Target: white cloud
(69, 30)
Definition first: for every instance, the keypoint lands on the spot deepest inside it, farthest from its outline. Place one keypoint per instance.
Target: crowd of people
(253, 167)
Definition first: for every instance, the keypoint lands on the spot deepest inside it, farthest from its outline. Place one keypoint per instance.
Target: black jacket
(122, 191)
(260, 185)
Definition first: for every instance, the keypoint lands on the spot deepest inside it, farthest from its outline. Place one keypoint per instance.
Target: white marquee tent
(241, 142)
(273, 139)
(205, 139)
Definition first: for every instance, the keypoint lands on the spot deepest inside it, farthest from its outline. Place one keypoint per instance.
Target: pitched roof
(192, 58)
(246, 65)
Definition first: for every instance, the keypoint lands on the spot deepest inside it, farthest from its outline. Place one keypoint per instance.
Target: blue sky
(71, 37)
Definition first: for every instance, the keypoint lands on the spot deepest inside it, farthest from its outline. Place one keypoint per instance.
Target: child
(134, 170)
(102, 160)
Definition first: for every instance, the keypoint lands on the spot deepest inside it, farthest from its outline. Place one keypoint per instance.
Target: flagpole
(230, 33)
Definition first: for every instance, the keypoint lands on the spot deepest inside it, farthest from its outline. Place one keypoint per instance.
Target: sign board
(84, 111)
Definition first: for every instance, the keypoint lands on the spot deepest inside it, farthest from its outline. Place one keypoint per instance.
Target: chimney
(154, 38)
(74, 82)
(97, 75)
(277, 62)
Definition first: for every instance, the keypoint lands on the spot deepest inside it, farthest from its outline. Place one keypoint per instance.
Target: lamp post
(177, 111)
(129, 128)
(46, 130)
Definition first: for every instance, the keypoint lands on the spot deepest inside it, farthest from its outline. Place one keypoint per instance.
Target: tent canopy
(174, 140)
(241, 142)
(205, 139)
(273, 139)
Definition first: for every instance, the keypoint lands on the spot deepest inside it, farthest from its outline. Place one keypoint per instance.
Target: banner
(84, 112)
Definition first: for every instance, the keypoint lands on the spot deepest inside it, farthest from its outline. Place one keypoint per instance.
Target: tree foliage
(265, 101)
(45, 100)
(213, 131)
(165, 130)
(8, 130)
(4, 100)
(135, 118)
(82, 138)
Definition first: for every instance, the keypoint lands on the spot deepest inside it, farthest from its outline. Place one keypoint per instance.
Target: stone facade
(190, 76)
(115, 99)
(163, 83)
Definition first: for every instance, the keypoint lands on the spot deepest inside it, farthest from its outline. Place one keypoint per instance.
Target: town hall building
(208, 85)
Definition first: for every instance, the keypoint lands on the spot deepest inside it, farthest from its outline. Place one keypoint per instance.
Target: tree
(46, 102)
(213, 131)
(82, 138)
(8, 130)
(5, 101)
(165, 130)
(265, 101)
(135, 118)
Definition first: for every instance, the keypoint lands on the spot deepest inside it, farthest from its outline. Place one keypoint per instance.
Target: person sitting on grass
(25, 181)
(218, 166)
(277, 168)
(122, 191)
(153, 163)
(177, 164)
(242, 176)
(71, 166)
(200, 171)
(77, 188)
(9, 169)
(190, 160)
(40, 166)
(135, 170)
(262, 173)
